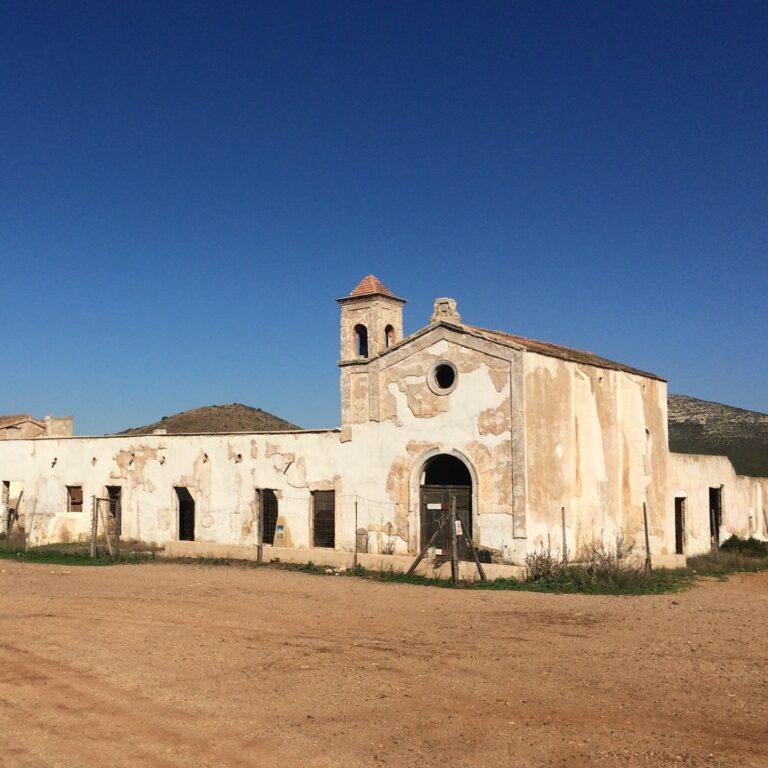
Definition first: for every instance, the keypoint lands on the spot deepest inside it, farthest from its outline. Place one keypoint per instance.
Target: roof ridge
(564, 353)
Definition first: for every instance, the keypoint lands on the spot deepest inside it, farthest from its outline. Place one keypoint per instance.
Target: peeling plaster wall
(220, 471)
(597, 447)
(399, 422)
(744, 499)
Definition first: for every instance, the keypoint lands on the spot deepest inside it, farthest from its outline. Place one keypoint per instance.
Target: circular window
(442, 377)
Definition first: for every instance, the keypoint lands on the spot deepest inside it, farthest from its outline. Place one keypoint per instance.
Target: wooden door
(435, 504)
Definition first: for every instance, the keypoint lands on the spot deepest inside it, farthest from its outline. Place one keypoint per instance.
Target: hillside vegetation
(699, 426)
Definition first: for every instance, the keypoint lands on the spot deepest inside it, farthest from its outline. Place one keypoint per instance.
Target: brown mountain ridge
(216, 418)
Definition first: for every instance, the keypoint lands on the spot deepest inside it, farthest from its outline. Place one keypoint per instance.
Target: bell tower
(371, 323)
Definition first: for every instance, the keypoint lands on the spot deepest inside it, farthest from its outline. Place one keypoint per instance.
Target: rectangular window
(74, 498)
(715, 514)
(269, 513)
(324, 518)
(186, 514)
(113, 494)
(679, 525)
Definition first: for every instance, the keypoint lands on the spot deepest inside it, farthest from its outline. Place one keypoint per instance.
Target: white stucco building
(523, 434)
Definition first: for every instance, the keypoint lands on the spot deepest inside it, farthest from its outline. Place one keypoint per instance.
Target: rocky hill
(699, 426)
(216, 418)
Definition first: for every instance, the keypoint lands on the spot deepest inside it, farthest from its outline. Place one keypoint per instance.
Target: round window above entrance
(442, 377)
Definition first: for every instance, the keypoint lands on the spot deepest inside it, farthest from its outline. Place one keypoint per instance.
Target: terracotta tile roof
(369, 285)
(564, 353)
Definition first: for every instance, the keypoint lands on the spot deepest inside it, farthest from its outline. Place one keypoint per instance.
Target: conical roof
(369, 285)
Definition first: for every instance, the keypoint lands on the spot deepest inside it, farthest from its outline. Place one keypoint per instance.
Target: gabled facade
(537, 445)
(23, 426)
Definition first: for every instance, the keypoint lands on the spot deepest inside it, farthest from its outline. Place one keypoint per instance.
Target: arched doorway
(443, 478)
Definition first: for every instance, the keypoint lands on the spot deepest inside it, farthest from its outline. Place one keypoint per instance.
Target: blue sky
(186, 188)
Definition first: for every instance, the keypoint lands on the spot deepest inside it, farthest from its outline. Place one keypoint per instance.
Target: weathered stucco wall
(744, 499)
(375, 314)
(596, 447)
(220, 471)
(400, 423)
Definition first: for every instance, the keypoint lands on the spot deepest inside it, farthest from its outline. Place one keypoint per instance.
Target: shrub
(750, 547)
(734, 555)
(599, 569)
(541, 566)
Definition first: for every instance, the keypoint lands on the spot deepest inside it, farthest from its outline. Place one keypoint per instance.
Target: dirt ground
(191, 665)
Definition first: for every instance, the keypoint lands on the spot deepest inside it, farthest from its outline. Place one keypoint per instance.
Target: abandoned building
(23, 426)
(537, 445)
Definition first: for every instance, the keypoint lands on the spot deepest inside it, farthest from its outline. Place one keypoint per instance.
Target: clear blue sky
(186, 188)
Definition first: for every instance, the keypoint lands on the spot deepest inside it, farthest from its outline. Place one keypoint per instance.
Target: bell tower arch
(371, 320)
(371, 323)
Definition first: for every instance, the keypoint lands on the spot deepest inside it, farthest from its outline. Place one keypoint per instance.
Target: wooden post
(454, 544)
(424, 549)
(106, 527)
(765, 520)
(29, 525)
(354, 562)
(17, 513)
(565, 539)
(472, 549)
(94, 525)
(13, 516)
(647, 542)
(118, 526)
(713, 526)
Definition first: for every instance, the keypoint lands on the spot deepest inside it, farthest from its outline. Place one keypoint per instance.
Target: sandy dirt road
(188, 665)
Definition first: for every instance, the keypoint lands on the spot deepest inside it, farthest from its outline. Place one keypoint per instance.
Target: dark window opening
(361, 340)
(186, 514)
(679, 525)
(446, 470)
(113, 494)
(269, 512)
(324, 518)
(74, 498)
(443, 377)
(389, 336)
(715, 514)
